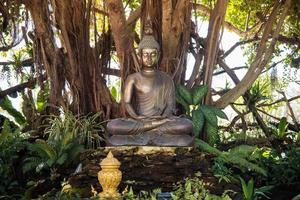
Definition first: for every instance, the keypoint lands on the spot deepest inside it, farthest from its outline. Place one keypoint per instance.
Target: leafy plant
(222, 172)
(203, 116)
(11, 143)
(259, 91)
(244, 157)
(52, 154)
(143, 195)
(86, 128)
(6, 105)
(281, 131)
(251, 193)
(193, 189)
(283, 167)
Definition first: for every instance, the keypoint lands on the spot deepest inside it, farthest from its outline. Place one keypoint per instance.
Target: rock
(146, 168)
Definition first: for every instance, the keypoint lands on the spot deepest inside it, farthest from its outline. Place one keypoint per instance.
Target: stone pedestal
(151, 139)
(146, 168)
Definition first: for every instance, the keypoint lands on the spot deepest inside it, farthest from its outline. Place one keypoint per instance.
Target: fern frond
(206, 147)
(242, 151)
(241, 162)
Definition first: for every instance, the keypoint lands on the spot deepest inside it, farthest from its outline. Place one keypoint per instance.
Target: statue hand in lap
(149, 98)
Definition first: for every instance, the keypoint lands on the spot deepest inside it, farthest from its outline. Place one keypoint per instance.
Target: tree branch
(233, 69)
(263, 55)
(238, 44)
(25, 63)
(22, 86)
(278, 101)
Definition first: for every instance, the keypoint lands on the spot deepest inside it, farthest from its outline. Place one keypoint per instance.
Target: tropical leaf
(6, 104)
(47, 148)
(209, 115)
(198, 93)
(198, 121)
(114, 92)
(185, 94)
(62, 159)
(42, 98)
(248, 189)
(282, 127)
(212, 133)
(219, 112)
(181, 101)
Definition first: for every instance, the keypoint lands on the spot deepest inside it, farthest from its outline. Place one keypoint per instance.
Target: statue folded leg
(176, 126)
(173, 133)
(132, 132)
(125, 132)
(124, 127)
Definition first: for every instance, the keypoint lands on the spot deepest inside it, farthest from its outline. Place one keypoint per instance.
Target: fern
(242, 150)
(243, 163)
(207, 148)
(238, 156)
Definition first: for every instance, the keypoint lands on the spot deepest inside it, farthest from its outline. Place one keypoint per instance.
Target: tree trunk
(76, 63)
(212, 44)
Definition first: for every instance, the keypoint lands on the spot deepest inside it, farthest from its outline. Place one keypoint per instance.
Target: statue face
(149, 57)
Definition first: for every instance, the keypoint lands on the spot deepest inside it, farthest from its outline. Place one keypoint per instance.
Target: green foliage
(198, 93)
(248, 189)
(52, 154)
(86, 128)
(42, 98)
(198, 121)
(283, 166)
(143, 195)
(281, 131)
(243, 157)
(260, 91)
(222, 172)
(115, 90)
(185, 94)
(6, 105)
(251, 193)
(194, 189)
(202, 116)
(11, 143)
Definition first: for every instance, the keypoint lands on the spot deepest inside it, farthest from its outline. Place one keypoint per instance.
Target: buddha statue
(149, 98)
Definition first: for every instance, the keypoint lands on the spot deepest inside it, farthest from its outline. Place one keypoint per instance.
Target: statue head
(149, 51)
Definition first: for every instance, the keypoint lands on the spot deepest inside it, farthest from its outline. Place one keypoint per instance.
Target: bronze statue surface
(149, 98)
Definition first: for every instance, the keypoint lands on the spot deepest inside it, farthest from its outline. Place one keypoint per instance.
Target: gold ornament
(110, 177)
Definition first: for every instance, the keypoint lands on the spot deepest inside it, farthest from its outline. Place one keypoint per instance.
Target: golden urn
(110, 177)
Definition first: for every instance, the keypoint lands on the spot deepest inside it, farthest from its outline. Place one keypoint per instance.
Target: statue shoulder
(132, 76)
(165, 76)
